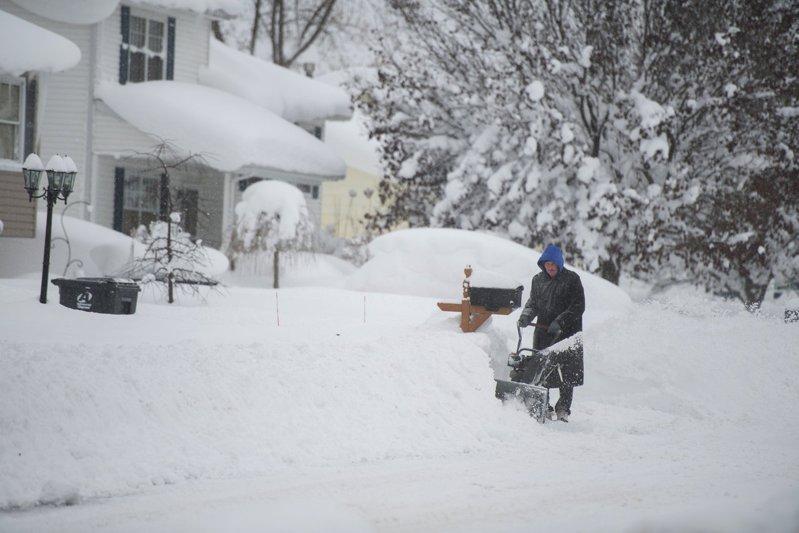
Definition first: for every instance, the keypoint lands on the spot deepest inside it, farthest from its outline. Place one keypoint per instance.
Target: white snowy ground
(214, 418)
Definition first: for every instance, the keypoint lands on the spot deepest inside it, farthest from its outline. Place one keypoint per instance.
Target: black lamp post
(61, 172)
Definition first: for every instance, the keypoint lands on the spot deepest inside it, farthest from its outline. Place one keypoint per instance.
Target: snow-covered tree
(172, 259)
(605, 126)
(731, 203)
(272, 220)
(290, 33)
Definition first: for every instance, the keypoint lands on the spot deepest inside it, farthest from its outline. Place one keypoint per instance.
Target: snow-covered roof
(71, 11)
(222, 8)
(25, 46)
(230, 132)
(350, 140)
(293, 96)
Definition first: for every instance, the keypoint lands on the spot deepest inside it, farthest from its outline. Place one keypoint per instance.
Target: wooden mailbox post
(472, 316)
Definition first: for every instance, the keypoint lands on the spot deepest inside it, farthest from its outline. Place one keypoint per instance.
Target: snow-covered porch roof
(221, 9)
(70, 11)
(294, 97)
(232, 134)
(27, 47)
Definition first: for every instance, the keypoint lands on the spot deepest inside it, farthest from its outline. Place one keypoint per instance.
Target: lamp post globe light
(61, 172)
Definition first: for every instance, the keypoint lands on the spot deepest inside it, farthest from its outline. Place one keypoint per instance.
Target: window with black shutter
(143, 53)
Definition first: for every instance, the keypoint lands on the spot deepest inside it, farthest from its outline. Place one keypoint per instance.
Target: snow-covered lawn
(209, 417)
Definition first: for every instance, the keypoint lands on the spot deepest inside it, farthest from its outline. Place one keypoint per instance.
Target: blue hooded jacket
(551, 253)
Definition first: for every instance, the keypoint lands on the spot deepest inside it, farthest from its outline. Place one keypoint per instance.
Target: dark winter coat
(560, 298)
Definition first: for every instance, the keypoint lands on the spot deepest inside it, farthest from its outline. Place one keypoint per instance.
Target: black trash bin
(494, 299)
(99, 295)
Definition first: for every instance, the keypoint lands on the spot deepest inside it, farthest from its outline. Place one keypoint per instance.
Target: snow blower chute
(529, 378)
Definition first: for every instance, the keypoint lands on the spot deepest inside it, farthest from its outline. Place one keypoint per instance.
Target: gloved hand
(554, 329)
(524, 320)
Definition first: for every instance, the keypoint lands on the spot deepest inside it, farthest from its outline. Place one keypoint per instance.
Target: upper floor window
(147, 50)
(11, 119)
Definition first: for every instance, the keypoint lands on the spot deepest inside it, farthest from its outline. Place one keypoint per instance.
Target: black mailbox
(99, 295)
(495, 299)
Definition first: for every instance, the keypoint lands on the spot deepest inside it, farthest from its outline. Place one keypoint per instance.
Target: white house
(150, 71)
(28, 54)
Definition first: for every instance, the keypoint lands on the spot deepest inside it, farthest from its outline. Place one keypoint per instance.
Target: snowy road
(204, 425)
(504, 491)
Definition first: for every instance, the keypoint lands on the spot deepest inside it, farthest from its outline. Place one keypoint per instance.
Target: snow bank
(25, 46)
(430, 262)
(228, 131)
(102, 251)
(293, 96)
(71, 11)
(98, 419)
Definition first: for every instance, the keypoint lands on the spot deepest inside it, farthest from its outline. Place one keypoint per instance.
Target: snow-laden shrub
(272, 219)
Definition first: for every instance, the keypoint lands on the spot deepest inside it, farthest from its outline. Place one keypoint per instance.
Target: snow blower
(529, 378)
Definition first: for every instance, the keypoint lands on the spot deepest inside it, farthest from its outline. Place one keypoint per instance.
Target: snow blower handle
(519, 333)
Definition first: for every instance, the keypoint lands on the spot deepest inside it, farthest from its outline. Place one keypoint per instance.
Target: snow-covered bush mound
(102, 251)
(430, 262)
(272, 199)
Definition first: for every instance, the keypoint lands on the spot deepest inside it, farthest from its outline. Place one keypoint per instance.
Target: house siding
(16, 212)
(64, 125)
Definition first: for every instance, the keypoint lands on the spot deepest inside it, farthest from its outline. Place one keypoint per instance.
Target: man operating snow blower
(558, 300)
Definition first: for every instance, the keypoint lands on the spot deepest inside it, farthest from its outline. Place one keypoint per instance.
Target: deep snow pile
(430, 262)
(100, 250)
(224, 392)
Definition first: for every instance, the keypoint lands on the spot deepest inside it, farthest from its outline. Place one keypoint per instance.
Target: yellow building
(345, 202)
